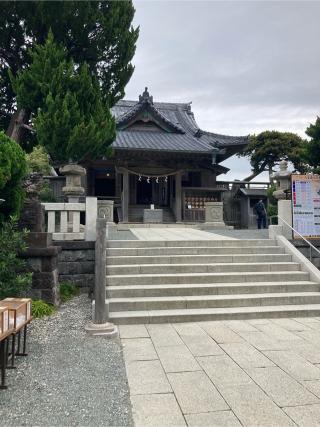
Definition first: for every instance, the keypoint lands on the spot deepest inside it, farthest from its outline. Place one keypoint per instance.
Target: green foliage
(41, 308)
(268, 148)
(13, 169)
(313, 147)
(73, 121)
(37, 161)
(99, 33)
(67, 291)
(272, 200)
(15, 280)
(272, 211)
(46, 194)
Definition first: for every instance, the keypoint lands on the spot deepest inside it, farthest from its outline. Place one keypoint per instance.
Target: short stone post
(214, 214)
(100, 326)
(105, 210)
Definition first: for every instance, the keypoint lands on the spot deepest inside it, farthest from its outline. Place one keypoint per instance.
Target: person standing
(261, 213)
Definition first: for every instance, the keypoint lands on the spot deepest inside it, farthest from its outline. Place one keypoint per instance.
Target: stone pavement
(231, 373)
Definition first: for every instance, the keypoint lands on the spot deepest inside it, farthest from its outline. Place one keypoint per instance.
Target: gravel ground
(68, 378)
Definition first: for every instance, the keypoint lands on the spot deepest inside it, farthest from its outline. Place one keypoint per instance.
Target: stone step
(195, 259)
(200, 268)
(189, 243)
(193, 278)
(132, 291)
(212, 301)
(194, 250)
(205, 314)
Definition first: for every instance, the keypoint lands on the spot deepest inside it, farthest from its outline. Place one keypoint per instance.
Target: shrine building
(161, 157)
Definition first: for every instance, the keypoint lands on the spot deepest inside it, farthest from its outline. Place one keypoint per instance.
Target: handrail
(300, 235)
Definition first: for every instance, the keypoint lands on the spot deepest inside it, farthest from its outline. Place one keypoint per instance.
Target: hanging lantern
(157, 180)
(140, 177)
(166, 179)
(148, 180)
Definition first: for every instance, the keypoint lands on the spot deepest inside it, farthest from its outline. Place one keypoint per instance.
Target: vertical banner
(306, 205)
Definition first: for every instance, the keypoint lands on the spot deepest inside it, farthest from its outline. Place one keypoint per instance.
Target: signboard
(306, 205)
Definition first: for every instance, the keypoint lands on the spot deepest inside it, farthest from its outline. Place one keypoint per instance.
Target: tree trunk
(16, 129)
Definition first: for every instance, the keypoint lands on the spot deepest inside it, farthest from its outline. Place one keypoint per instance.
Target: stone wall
(42, 259)
(76, 263)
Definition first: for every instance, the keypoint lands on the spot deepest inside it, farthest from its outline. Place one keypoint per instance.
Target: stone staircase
(186, 281)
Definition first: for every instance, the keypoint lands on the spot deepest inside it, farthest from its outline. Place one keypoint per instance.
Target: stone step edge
(150, 248)
(212, 285)
(240, 273)
(224, 264)
(115, 257)
(168, 243)
(204, 314)
(214, 297)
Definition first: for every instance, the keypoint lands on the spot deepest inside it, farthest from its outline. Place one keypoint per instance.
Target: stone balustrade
(63, 220)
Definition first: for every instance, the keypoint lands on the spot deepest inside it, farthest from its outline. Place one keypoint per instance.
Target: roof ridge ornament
(145, 97)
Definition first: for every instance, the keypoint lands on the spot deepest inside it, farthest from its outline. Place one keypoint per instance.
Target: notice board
(306, 205)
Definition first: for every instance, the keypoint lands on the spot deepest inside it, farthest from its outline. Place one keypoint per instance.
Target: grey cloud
(246, 66)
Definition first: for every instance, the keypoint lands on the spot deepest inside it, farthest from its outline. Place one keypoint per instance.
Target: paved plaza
(229, 373)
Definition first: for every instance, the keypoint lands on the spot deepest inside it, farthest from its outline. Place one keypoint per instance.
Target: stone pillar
(73, 189)
(100, 325)
(125, 197)
(214, 214)
(105, 210)
(91, 218)
(178, 203)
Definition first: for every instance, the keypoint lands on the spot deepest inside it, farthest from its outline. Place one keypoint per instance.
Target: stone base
(153, 216)
(106, 330)
(216, 225)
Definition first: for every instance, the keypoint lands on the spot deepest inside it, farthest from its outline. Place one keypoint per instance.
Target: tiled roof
(185, 134)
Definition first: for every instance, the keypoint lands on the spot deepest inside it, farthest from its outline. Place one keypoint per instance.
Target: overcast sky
(246, 66)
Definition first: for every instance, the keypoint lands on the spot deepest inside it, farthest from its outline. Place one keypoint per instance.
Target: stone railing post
(91, 218)
(99, 325)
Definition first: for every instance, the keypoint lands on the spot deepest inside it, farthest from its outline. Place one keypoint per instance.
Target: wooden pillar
(178, 197)
(125, 196)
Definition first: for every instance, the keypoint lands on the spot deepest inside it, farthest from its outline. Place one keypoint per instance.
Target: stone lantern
(283, 178)
(73, 189)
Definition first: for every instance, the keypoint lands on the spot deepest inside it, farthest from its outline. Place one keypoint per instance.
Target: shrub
(13, 168)
(15, 280)
(67, 291)
(46, 194)
(41, 308)
(38, 161)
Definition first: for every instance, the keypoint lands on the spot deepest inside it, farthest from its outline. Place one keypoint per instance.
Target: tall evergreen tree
(99, 33)
(73, 121)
